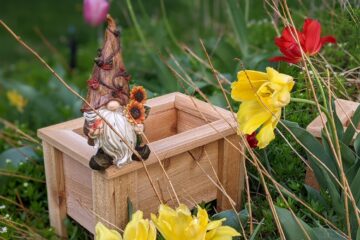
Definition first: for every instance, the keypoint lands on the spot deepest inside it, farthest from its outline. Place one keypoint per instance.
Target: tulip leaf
(327, 234)
(292, 228)
(351, 172)
(130, 208)
(328, 149)
(338, 124)
(315, 195)
(238, 22)
(354, 186)
(17, 155)
(348, 155)
(357, 144)
(350, 131)
(232, 218)
(257, 230)
(313, 146)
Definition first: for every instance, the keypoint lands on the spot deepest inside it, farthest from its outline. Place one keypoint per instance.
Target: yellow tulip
(16, 100)
(262, 96)
(103, 233)
(218, 232)
(179, 224)
(139, 228)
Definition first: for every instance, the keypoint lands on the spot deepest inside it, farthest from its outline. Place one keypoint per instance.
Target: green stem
(301, 100)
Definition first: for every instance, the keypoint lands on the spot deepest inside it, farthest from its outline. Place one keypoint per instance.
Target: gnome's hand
(139, 128)
(96, 128)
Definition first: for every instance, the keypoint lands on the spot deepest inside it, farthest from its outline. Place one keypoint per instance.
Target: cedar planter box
(345, 111)
(175, 127)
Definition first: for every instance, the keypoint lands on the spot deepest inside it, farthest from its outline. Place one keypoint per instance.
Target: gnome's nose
(113, 105)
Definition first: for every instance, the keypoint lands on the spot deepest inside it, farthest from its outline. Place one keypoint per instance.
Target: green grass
(186, 23)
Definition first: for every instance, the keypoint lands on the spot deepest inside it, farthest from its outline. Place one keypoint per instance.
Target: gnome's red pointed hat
(109, 80)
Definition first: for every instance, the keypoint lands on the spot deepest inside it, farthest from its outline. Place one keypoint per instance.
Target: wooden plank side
(198, 108)
(161, 125)
(186, 121)
(78, 193)
(231, 173)
(345, 110)
(191, 183)
(55, 185)
(103, 195)
(179, 143)
(125, 189)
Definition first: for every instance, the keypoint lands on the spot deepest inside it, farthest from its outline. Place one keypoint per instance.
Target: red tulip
(309, 41)
(95, 11)
(251, 139)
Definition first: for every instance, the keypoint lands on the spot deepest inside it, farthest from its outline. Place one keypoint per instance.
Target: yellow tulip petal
(266, 133)
(246, 86)
(251, 116)
(281, 98)
(226, 230)
(152, 232)
(103, 233)
(214, 224)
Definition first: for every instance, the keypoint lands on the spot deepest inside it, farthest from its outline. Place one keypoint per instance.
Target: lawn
(156, 35)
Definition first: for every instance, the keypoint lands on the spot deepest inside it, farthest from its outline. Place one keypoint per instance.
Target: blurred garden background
(155, 34)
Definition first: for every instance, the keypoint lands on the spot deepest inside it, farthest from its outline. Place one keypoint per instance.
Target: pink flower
(95, 11)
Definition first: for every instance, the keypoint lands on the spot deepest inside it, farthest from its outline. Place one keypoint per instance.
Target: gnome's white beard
(110, 142)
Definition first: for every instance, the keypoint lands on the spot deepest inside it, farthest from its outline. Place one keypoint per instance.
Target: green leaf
(130, 208)
(354, 186)
(257, 230)
(232, 218)
(338, 124)
(237, 19)
(315, 195)
(314, 146)
(357, 144)
(291, 226)
(348, 155)
(350, 131)
(327, 234)
(17, 155)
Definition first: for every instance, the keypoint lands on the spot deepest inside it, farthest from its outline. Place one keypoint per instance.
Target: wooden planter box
(345, 110)
(175, 127)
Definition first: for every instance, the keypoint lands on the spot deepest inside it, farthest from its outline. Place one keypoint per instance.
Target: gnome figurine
(109, 94)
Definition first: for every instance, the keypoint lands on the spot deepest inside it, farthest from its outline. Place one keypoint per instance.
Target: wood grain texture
(190, 182)
(55, 186)
(344, 109)
(78, 192)
(174, 127)
(103, 195)
(231, 173)
(186, 121)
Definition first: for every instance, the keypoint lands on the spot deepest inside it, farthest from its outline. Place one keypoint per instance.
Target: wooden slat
(55, 186)
(231, 173)
(78, 192)
(186, 121)
(125, 189)
(198, 108)
(190, 182)
(177, 144)
(103, 195)
(160, 125)
(344, 109)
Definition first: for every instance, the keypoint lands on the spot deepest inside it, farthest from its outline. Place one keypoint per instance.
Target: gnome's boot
(144, 152)
(100, 161)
